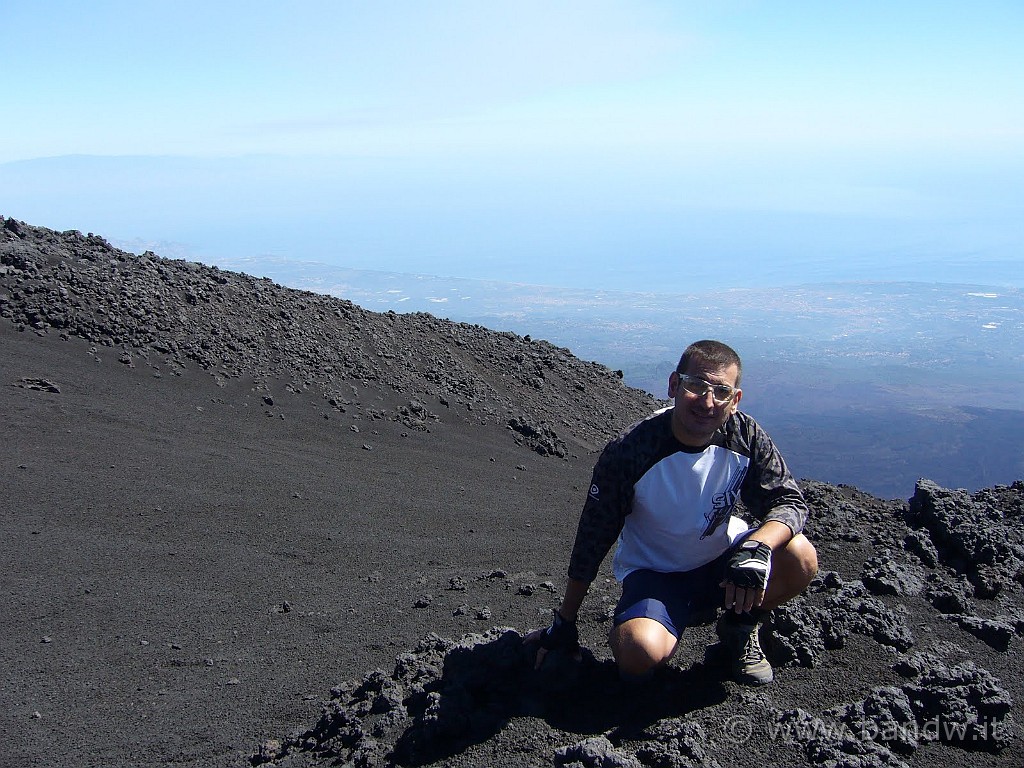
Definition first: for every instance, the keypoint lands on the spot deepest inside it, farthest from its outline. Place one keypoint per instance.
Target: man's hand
(561, 635)
(747, 576)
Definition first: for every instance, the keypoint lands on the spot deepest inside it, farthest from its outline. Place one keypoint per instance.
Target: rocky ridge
(172, 314)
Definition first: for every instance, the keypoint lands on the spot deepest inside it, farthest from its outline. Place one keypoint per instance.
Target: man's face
(695, 419)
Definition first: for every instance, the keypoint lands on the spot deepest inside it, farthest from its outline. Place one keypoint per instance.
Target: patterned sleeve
(769, 490)
(608, 502)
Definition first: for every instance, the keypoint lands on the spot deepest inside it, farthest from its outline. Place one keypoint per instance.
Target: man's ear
(736, 400)
(673, 384)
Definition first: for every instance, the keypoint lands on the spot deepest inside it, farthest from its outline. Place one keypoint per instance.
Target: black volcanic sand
(246, 524)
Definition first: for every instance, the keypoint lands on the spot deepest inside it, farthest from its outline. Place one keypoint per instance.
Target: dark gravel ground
(248, 524)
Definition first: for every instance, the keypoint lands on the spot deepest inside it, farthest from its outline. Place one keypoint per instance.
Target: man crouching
(665, 491)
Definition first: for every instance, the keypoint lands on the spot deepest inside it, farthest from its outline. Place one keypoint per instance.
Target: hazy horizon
(608, 145)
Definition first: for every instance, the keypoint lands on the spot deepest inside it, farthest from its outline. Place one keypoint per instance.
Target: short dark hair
(714, 352)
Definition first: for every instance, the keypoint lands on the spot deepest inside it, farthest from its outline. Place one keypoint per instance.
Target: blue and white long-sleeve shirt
(670, 506)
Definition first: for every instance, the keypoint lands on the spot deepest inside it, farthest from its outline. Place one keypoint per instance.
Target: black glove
(562, 634)
(750, 565)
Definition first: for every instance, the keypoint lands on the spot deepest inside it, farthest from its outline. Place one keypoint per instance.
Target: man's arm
(773, 533)
(575, 591)
(599, 526)
(771, 493)
(568, 611)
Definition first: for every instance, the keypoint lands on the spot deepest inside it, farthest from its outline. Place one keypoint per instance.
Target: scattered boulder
(885, 575)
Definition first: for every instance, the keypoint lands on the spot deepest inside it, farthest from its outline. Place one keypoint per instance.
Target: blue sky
(657, 145)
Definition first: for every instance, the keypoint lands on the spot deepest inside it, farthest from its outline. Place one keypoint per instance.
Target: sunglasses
(720, 393)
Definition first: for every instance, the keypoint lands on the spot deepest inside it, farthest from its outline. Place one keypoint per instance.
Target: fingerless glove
(750, 565)
(561, 634)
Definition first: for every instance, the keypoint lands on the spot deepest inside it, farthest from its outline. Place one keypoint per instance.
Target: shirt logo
(595, 492)
(722, 506)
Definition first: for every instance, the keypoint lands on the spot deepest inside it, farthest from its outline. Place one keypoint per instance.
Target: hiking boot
(739, 636)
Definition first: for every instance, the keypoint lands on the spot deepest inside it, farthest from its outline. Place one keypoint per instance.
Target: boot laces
(751, 651)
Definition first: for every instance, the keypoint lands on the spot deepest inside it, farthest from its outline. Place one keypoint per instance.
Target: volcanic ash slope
(252, 525)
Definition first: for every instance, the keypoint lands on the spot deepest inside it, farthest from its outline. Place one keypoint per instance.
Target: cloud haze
(601, 144)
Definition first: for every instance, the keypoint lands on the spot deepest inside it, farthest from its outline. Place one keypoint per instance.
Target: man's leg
(640, 646)
(792, 570)
(653, 610)
(793, 567)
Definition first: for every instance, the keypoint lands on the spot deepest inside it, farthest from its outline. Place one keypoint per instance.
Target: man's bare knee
(792, 570)
(805, 558)
(640, 646)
